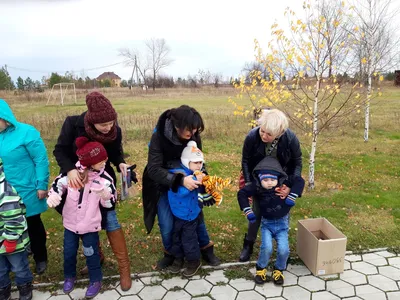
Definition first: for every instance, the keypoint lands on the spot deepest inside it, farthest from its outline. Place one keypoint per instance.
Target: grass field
(357, 183)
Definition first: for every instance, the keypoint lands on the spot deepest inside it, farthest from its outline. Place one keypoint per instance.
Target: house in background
(112, 77)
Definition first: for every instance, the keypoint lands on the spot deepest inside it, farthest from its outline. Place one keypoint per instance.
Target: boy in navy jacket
(268, 177)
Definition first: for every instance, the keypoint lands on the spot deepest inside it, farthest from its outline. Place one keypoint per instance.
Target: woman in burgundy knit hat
(98, 123)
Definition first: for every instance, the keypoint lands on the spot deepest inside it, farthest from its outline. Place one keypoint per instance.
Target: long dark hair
(186, 117)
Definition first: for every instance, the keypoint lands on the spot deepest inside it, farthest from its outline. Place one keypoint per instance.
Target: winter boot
(247, 250)
(93, 289)
(25, 291)
(69, 284)
(208, 255)
(85, 270)
(165, 262)
(5, 293)
(41, 266)
(261, 275)
(191, 268)
(118, 245)
(176, 266)
(277, 276)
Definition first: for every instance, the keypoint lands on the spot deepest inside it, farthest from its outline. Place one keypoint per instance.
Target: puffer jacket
(271, 205)
(81, 212)
(13, 225)
(184, 203)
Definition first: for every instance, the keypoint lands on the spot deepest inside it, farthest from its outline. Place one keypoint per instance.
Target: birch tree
(315, 102)
(377, 44)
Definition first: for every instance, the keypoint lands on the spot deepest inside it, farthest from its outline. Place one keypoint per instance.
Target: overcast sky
(61, 35)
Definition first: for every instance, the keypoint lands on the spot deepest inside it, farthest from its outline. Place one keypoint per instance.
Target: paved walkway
(370, 276)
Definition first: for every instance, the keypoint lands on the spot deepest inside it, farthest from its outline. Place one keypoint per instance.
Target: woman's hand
(283, 191)
(123, 167)
(41, 194)
(190, 183)
(75, 179)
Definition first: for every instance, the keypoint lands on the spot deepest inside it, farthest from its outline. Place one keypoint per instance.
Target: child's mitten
(208, 200)
(10, 245)
(248, 212)
(53, 200)
(291, 199)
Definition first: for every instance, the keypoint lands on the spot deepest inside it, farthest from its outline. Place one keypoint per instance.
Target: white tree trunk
(311, 179)
(367, 104)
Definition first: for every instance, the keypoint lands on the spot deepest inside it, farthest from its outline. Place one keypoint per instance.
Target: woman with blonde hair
(272, 137)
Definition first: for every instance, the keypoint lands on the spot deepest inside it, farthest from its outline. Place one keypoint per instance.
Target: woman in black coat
(98, 123)
(271, 138)
(175, 128)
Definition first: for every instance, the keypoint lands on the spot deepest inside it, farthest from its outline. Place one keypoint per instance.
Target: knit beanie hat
(90, 153)
(264, 174)
(191, 154)
(100, 109)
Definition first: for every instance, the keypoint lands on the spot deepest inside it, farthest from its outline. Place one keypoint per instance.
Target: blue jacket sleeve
(244, 194)
(37, 151)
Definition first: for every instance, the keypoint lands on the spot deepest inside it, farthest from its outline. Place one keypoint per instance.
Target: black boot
(278, 277)
(165, 262)
(5, 293)
(261, 275)
(247, 250)
(176, 267)
(25, 291)
(209, 256)
(191, 268)
(41, 266)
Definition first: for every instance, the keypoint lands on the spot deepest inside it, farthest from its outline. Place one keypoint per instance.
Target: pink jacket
(81, 212)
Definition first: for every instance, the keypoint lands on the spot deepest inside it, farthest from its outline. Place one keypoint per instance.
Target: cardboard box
(321, 246)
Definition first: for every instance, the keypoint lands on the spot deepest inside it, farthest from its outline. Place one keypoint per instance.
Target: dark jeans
(17, 263)
(90, 243)
(37, 236)
(185, 240)
(166, 224)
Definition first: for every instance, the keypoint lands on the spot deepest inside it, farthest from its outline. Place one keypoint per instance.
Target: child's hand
(53, 200)
(250, 214)
(101, 192)
(41, 194)
(10, 245)
(199, 175)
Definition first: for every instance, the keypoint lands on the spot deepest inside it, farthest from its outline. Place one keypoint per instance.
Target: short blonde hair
(273, 121)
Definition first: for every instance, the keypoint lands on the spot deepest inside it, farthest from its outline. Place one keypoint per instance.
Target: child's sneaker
(176, 266)
(69, 284)
(25, 291)
(93, 289)
(278, 277)
(261, 275)
(5, 293)
(191, 268)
